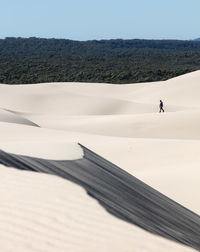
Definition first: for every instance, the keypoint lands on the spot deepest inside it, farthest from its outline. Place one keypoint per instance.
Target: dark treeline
(36, 60)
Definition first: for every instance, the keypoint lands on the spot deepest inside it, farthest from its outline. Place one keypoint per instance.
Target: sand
(119, 122)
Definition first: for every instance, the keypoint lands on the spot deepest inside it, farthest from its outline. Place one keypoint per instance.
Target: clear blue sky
(100, 19)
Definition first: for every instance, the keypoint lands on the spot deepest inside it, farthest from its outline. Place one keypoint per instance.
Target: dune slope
(39, 212)
(120, 193)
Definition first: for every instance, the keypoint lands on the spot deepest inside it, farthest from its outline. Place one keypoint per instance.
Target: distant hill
(198, 39)
(34, 60)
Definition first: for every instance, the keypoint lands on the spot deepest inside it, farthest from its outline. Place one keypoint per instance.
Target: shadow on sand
(120, 193)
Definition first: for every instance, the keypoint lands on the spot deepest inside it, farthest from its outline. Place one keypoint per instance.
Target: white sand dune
(179, 91)
(47, 213)
(119, 122)
(11, 117)
(151, 125)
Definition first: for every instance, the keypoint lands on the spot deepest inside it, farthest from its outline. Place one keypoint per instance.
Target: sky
(100, 19)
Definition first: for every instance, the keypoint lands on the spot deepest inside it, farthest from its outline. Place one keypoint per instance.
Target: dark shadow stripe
(119, 193)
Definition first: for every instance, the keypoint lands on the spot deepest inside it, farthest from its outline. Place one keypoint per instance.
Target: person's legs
(161, 110)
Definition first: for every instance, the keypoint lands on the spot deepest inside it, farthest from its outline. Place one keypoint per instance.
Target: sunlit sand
(122, 123)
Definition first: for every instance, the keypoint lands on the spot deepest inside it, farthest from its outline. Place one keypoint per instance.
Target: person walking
(161, 106)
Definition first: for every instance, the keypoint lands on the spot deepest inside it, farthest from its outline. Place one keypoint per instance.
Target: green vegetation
(36, 60)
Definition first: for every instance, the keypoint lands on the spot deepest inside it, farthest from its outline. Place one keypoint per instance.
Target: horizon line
(102, 39)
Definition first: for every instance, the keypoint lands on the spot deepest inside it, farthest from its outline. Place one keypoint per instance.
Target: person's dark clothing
(161, 107)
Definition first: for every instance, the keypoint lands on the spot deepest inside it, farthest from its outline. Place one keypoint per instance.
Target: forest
(38, 60)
